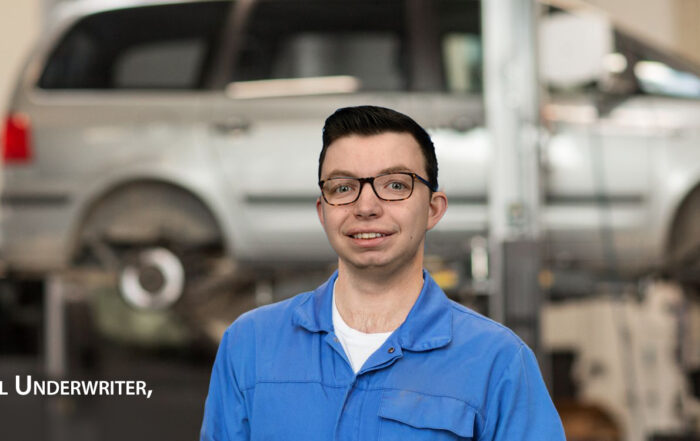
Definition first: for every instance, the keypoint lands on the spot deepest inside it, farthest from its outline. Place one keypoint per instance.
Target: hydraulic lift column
(512, 117)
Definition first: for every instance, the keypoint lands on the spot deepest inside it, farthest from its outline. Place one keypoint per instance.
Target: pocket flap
(428, 412)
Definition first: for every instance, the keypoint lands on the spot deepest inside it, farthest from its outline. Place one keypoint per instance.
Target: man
(378, 352)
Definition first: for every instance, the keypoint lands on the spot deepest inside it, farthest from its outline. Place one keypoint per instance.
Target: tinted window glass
(652, 71)
(655, 77)
(459, 33)
(168, 46)
(301, 39)
(164, 64)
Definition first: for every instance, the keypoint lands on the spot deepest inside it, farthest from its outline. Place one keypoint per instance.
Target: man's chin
(376, 262)
(369, 265)
(374, 266)
(366, 263)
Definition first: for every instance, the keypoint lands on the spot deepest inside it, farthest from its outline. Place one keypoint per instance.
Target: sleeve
(520, 408)
(225, 415)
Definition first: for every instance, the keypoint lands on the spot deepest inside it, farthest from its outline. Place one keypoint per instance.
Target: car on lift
(170, 139)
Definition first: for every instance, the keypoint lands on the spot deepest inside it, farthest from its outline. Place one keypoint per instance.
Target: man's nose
(368, 204)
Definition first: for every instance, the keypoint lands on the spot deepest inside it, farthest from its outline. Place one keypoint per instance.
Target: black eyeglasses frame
(370, 180)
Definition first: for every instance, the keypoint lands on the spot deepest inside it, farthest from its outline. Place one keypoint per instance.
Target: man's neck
(373, 301)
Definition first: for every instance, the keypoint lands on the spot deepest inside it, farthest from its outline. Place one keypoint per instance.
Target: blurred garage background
(159, 180)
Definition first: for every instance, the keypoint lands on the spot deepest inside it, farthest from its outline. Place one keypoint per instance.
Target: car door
(597, 186)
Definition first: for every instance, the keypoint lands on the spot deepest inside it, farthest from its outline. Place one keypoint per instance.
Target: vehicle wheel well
(146, 212)
(683, 238)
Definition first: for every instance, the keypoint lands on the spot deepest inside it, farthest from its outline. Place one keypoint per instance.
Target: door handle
(231, 126)
(463, 123)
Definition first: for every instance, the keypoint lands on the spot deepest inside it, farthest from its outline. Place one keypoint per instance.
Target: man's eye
(341, 188)
(396, 186)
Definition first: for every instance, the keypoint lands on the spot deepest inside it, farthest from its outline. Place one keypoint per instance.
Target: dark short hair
(373, 120)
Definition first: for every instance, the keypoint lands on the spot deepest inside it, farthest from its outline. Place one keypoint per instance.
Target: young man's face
(402, 224)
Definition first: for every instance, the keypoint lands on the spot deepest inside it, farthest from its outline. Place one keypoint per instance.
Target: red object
(16, 140)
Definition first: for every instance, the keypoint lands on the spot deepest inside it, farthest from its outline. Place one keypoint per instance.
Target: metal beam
(511, 94)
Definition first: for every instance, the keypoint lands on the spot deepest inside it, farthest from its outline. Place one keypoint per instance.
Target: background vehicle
(171, 139)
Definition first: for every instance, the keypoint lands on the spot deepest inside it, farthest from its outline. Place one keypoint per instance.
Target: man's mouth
(368, 235)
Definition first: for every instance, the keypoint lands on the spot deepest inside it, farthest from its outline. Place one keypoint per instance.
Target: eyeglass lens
(391, 187)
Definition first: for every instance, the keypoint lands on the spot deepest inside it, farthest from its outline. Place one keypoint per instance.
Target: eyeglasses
(387, 187)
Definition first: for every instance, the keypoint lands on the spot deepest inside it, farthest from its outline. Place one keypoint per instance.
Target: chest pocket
(406, 415)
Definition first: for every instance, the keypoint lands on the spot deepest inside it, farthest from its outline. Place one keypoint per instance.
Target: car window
(310, 38)
(154, 47)
(650, 71)
(365, 40)
(459, 33)
(655, 77)
(462, 62)
(163, 64)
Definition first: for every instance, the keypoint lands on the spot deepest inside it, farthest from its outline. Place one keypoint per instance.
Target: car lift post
(55, 345)
(511, 95)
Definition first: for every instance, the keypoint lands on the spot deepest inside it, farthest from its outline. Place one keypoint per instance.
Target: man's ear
(319, 211)
(436, 209)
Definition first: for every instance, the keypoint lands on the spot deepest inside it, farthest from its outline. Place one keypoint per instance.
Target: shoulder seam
(464, 310)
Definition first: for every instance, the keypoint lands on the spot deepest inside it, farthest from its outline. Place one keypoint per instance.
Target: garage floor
(173, 412)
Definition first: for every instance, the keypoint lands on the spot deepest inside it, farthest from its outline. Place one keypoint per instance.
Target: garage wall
(687, 15)
(20, 22)
(670, 24)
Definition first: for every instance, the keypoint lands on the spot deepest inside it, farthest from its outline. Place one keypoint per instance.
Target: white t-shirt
(358, 345)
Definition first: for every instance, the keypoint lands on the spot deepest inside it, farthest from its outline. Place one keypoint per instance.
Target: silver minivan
(166, 137)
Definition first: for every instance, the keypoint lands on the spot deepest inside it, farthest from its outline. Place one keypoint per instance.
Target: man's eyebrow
(345, 173)
(340, 173)
(395, 169)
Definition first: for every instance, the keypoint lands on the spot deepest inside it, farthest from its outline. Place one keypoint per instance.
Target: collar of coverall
(427, 326)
